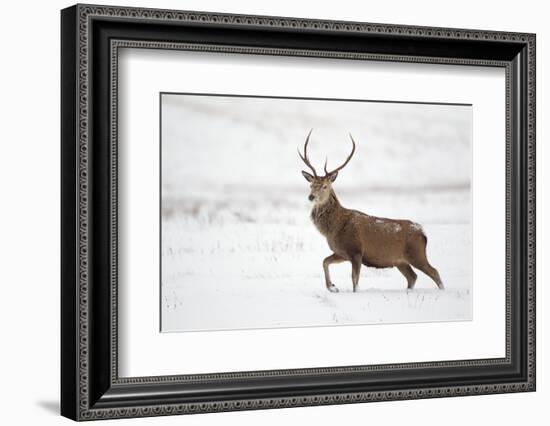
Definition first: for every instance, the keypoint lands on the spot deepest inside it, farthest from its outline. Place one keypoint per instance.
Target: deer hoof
(332, 288)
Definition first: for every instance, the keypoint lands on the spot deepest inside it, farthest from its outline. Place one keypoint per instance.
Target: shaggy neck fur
(325, 215)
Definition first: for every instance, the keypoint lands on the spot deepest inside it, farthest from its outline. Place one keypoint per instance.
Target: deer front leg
(333, 258)
(356, 270)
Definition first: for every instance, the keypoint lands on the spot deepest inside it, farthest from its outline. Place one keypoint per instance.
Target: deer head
(321, 186)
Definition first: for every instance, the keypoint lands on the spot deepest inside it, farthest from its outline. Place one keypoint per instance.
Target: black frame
(90, 38)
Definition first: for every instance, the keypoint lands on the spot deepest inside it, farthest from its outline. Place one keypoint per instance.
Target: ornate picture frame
(91, 37)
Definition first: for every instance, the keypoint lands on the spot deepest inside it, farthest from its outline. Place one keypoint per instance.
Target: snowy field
(238, 248)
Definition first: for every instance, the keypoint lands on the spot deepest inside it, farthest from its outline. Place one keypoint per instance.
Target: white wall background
(29, 225)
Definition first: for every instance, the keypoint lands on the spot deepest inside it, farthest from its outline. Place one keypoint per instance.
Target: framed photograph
(263, 212)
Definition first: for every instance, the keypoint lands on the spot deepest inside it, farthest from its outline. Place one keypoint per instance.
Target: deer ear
(332, 176)
(308, 177)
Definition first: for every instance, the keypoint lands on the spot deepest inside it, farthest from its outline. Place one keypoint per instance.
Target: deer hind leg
(430, 271)
(410, 275)
(356, 262)
(333, 258)
(420, 261)
(434, 275)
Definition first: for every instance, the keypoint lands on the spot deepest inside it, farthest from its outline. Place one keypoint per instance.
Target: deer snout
(311, 197)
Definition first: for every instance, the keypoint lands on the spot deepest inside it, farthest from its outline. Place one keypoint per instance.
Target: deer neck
(326, 215)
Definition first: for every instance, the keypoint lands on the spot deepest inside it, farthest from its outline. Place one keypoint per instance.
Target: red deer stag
(363, 239)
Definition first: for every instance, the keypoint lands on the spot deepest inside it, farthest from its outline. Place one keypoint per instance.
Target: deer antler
(345, 162)
(305, 158)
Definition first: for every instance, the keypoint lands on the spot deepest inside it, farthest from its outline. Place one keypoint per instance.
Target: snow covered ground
(238, 248)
